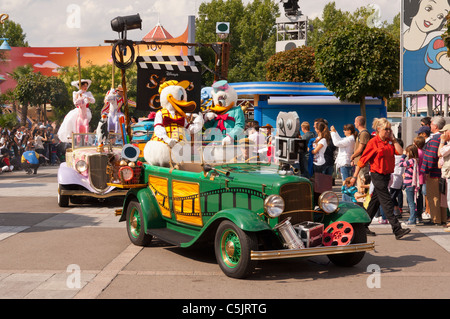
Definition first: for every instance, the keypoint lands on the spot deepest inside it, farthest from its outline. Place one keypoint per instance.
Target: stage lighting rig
(291, 7)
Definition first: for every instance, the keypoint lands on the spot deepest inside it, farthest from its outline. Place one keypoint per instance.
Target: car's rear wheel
(135, 225)
(63, 200)
(351, 259)
(232, 247)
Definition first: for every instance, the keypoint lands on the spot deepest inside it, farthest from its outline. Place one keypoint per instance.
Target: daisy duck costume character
(171, 123)
(77, 120)
(225, 115)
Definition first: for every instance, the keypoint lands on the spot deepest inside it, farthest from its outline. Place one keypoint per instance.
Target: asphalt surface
(83, 252)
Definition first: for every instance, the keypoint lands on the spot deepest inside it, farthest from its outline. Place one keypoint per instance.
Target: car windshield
(218, 154)
(80, 140)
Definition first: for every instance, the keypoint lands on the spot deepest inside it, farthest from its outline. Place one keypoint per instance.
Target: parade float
(214, 192)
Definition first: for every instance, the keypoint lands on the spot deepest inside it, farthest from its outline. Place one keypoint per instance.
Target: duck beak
(182, 107)
(222, 109)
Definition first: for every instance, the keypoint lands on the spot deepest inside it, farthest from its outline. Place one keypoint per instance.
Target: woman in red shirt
(379, 153)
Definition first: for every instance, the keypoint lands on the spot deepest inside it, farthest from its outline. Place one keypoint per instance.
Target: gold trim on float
(309, 252)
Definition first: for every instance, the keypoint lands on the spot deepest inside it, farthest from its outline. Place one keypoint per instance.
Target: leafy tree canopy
(334, 18)
(356, 61)
(14, 33)
(252, 36)
(297, 65)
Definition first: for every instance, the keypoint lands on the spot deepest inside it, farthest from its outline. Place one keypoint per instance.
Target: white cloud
(32, 55)
(47, 65)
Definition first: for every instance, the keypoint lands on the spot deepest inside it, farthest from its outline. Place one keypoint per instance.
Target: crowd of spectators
(41, 138)
(420, 170)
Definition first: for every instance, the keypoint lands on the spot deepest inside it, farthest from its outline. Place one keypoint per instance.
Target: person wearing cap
(444, 162)
(424, 131)
(432, 172)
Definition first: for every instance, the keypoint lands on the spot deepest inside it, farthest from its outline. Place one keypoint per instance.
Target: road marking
(95, 287)
(8, 231)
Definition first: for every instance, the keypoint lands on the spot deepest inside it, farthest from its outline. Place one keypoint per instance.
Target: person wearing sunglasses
(380, 154)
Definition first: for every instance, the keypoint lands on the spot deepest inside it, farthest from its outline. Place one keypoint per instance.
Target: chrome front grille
(97, 171)
(297, 198)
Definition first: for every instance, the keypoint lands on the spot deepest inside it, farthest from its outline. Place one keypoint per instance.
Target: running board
(170, 236)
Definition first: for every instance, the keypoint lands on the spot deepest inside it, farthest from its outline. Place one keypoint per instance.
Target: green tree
(8, 121)
(252, 36)
(14, 32)
(334, 19)
(296, 65)
(25, 92)
(58, 97)
(357, 61)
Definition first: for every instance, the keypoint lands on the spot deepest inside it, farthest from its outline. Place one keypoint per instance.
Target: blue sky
(53, 23)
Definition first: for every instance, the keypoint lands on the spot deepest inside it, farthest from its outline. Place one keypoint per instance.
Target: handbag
(442, 185)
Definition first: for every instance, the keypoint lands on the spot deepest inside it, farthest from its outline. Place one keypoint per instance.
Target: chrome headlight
(274, 206)
(81, 166)
(329, 202)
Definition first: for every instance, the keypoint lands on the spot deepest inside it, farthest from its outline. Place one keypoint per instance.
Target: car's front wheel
(232, 247)
(351, 259)
(135, 225)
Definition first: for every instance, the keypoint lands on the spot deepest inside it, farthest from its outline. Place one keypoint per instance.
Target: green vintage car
(250, 210)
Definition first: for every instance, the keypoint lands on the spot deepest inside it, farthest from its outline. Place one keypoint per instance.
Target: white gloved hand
(210, 116)
(171, 142)
(227, 140)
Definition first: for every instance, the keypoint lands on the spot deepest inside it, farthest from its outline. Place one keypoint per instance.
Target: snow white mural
(426, 66)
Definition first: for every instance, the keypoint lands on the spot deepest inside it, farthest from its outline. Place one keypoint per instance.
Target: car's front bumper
(309, 252)
(70, 192)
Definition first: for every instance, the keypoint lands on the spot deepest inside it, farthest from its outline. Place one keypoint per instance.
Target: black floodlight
(291, 7)
(124, 24)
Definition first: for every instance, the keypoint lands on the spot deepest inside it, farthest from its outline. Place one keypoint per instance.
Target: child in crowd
(396, 184)
(5, 163)
(419, 141)
(411, 180)
(348, 191)
(363, 195)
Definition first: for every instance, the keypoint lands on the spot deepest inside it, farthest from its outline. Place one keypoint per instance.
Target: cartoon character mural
(426, 66)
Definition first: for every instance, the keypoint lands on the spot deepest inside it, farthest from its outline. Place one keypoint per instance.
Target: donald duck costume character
(224, 114)
(171, 122)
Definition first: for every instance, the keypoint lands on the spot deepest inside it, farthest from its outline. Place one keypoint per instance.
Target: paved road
(83, 252)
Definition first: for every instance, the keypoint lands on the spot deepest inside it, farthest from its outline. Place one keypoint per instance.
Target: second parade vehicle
(247, 209)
